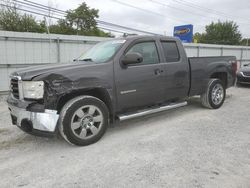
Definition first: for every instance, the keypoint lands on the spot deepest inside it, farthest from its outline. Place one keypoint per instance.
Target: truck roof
(134, 37)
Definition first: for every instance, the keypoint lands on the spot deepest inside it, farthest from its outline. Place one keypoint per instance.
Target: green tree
(62, 27)
(199, 37)
(29, 24)
(80, 21)
(221, 33)
(12, 20)
(82, 18)
(245, 42)
(83, 21)
(9, 18)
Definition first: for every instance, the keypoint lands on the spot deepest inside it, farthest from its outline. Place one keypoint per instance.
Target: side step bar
(151, 111)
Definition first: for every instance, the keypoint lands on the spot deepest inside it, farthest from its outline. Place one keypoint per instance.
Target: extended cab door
(177, 80)
(140, 84)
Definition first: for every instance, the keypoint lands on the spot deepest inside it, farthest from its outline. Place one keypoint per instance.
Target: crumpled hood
(31, 72)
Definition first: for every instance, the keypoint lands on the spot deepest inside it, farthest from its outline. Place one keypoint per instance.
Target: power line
(191, 4)
(100, 21)
(183, 10)
(124, 27)
(29, 11)
(212, 11)
(37, 5)
(61, 13)
(159, 14)
(44, 11)
(41, 5)
(138, 8)
(176, 8)
(148, 11)
(108, 29)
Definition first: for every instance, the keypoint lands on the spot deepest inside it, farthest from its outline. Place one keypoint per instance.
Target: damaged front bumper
(36, 123)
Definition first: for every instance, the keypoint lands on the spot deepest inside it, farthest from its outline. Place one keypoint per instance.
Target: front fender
(57, 86)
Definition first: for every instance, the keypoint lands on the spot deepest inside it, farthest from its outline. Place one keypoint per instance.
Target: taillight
(235, 67)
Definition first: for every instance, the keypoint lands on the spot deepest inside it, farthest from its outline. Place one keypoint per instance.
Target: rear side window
(171, 51)
(148, 51)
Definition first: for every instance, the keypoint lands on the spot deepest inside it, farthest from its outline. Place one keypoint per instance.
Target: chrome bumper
(45, 121)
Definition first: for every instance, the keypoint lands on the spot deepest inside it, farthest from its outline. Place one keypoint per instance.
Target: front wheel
(83, 120)
(215, 94)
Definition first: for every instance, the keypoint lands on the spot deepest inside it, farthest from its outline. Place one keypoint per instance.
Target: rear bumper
(36, 123)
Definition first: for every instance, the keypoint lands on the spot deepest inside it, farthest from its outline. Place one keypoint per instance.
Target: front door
(141, 84)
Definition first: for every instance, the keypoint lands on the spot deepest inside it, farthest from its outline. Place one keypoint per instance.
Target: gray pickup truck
(115, 80)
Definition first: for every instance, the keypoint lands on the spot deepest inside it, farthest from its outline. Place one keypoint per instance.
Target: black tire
(66, 117)
(207, 98)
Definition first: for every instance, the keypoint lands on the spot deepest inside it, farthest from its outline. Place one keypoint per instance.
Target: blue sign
(184, 33)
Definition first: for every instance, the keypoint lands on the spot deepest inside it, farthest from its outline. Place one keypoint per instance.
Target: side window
(171, 51)
(148, 51)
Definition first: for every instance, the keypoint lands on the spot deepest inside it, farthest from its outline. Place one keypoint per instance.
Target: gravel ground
(187, 147)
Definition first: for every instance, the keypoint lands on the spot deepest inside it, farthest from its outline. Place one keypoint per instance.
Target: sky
(160, 16)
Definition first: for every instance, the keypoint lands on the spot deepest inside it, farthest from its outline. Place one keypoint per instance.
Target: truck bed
(202, 68)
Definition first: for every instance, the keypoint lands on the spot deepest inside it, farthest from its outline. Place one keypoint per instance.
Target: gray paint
(19, 50)
(172, 83)
(203, 67)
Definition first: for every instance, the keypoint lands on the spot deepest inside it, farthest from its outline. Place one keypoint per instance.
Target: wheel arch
(222, 76)
(100, 93)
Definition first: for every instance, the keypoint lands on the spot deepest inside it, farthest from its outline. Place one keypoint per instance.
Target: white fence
(242, 53)
(18, 50)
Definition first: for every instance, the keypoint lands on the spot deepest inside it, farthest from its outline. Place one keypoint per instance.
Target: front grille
(246, 73)
(14, 87)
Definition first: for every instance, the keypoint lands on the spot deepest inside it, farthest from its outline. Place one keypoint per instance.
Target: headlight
(33, 89)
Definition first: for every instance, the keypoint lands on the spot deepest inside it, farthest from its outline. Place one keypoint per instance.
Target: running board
(151, 111)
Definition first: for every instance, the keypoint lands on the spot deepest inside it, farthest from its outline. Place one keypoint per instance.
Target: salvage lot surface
(187, 147)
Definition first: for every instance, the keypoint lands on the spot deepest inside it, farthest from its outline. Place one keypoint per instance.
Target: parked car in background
(243, 75)
(117, 79)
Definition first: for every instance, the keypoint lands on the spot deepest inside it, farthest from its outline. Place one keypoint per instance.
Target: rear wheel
(215, 94)
(83, 120)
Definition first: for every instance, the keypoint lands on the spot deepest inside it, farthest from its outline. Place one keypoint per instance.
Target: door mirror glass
(132, 58)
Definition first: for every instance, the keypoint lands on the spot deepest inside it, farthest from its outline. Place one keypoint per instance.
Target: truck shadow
(244, 86)
(24, 139)
(194, 105)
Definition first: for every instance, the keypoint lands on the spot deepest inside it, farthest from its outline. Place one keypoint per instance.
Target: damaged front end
(38, 94)
(30, 115)
(36, 123)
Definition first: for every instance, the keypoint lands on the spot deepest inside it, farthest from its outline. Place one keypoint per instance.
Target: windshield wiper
(86, 59)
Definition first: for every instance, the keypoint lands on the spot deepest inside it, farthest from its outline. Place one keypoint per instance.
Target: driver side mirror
(132, 58)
